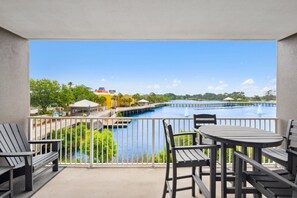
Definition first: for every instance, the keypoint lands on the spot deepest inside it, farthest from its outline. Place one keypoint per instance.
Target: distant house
(83, 107)
(228, 99)
(143, 102)
(101, 90)
(112, 91)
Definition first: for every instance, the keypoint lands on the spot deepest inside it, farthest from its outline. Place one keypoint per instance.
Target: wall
(286, 81)
(14, 78)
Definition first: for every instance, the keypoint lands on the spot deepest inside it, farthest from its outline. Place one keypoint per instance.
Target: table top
(241, 136)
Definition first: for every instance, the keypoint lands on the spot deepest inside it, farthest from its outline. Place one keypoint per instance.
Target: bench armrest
(17, 154)
(261, 168)
(45, 141)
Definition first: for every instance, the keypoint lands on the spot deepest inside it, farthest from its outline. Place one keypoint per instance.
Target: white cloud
(154, 86)
(175, 83)
(219, 87)
(210, 87)
(103, 80)
(250, 88)
(248, 82)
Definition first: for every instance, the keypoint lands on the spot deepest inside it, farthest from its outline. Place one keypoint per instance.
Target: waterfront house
(143, 102)
(83, 107)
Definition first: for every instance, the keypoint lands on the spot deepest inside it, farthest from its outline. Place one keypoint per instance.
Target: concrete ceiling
(150, 19)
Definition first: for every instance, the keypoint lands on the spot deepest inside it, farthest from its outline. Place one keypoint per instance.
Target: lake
(221, 112)
(135, 142)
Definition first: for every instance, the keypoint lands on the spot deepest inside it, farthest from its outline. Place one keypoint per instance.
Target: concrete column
(286, 81)
(14, 78)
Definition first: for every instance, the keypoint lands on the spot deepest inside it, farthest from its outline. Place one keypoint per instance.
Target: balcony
(21, 21)
(134, 160)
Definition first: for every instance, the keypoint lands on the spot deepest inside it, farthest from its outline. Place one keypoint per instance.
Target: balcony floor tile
(112, 182)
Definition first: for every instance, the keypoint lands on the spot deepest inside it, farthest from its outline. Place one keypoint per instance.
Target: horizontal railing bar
(141, 118)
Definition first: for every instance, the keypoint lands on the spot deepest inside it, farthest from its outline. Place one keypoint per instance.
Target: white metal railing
(121, 141)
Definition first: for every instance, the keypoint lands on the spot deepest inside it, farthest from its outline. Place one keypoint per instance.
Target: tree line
(45, 93)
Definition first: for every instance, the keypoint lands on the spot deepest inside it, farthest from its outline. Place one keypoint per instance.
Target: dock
(127, 111)
(222, 104)
(113, 123)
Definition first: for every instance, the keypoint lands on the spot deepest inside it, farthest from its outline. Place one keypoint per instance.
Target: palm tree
(119, 98)
(129, 100)
(70, 85)
(113, 98)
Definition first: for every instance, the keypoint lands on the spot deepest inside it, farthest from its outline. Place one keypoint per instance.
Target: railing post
(30, 127)
(153, 143)
(91, 142)
(276, 125)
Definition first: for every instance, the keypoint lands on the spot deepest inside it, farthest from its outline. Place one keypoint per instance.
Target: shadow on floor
(38, 183)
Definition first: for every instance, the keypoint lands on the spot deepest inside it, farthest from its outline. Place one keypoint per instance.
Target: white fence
(121, 141)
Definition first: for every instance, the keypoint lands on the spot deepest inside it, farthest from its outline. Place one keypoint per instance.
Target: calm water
(132, 144)
(221, 112)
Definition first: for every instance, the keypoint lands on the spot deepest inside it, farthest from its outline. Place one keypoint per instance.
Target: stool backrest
(292, 134)
(168, 135)
(201, 119)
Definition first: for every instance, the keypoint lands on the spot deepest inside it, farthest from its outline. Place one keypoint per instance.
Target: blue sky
(180, 67)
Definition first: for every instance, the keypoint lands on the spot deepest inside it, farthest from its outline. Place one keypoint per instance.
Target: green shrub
(77, 139)
(104, 146)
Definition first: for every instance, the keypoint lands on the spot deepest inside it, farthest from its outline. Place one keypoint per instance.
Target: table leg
(257, 153)
(223, 171)
(233, 162)
(244, 166)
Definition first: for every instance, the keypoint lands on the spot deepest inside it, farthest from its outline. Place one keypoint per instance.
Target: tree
(101, 100)
(66, 96)
(269, 95)
(136, 97)
(129, 100)
(256, 98)
(70, 85)
(105, 147)
(119, 99)
(113, 98)
(124, 101)
(44, 93)
(83, 93)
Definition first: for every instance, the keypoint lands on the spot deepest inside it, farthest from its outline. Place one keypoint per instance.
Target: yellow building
(109, 102)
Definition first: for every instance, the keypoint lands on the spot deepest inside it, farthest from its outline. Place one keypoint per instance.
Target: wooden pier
(221, 104)
(127, 111)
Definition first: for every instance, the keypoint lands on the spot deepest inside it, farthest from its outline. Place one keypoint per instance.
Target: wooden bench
(279, 155)
(15, 149)
(272, 184)
(9, 191)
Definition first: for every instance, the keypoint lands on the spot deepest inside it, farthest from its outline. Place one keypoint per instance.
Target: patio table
(238, 136)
